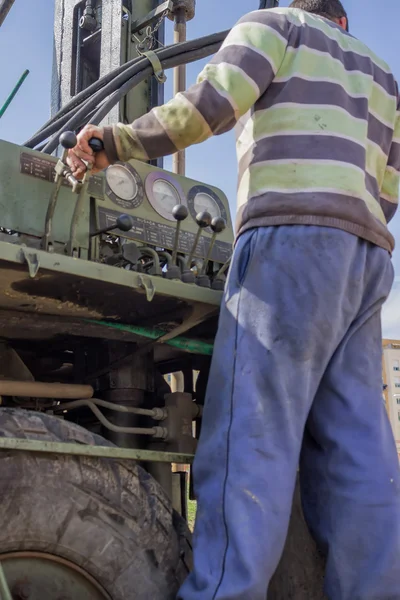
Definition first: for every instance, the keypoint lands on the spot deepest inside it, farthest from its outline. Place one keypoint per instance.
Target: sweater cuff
(110, 146)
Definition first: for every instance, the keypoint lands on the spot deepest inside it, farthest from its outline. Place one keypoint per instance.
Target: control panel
(149, 195)
(132, 216)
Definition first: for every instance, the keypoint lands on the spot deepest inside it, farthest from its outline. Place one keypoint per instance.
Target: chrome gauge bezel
(161, 210)
(203, 189)
(131, 203)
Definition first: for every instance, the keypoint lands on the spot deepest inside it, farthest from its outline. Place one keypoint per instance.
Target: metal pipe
(15, 90)
(5, 7)
(179, 159)
(37, 389)
(158, 414)
(157, 432)
(41, 446)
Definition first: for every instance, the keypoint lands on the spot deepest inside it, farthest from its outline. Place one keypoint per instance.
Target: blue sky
(26, 43)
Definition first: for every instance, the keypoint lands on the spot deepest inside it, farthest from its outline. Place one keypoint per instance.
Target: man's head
(330, 9)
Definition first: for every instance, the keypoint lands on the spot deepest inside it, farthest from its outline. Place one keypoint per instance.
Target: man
(296, 373)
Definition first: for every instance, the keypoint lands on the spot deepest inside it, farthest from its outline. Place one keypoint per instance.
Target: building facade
(391, 385)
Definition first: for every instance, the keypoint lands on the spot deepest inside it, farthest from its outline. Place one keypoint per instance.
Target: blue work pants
(296, 377)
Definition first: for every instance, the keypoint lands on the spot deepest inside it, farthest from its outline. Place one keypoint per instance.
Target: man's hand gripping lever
(88, 152)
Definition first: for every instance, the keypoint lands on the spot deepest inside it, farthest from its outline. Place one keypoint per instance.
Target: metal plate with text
(44, 168)
(162, 236)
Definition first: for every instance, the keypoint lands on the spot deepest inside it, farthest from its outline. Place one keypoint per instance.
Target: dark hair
(330, 9)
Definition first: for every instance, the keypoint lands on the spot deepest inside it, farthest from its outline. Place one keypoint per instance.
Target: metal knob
(203, 220)
(125, 223)
(180, 212)
(218, 225)
(68, 140)
(96, 145)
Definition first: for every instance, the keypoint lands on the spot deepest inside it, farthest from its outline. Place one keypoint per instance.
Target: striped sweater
(318, 125)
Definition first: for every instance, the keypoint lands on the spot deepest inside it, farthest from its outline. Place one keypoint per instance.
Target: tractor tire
(106, 520)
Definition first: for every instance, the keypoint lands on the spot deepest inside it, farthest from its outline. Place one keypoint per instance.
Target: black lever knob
(123, 223)
(203, 220)
(180, 212)
(68, 140)
(96, 145)
(218, 225)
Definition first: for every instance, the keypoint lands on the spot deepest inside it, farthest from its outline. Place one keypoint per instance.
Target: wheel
(84, 528)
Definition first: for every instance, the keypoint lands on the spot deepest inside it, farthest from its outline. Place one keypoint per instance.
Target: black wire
(125, 70)
(177, 59)
(118, 95)
(40, 141)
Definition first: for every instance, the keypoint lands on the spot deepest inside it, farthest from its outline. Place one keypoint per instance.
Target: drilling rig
(109, 298)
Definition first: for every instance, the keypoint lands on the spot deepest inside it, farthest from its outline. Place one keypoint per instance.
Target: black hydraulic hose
(164, 53)
(142, 65)
(40, 140)
(118, 95)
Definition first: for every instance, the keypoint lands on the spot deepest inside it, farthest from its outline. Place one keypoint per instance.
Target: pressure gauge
(203, 199)
(124, 186)
(205, 203)
(164, 193)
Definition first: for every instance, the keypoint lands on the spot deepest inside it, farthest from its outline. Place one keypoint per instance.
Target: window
(398, 400)
(396, 365)
(396, 382)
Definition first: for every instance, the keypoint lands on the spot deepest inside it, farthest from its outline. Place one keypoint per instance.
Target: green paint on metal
(5, 593)
(182, 343)
(94, 451)
(14, 92)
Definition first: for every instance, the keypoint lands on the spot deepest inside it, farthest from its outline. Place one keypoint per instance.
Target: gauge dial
(202, 198)
(205, 203)
(122, 182)
(164, 193)
(124, 186)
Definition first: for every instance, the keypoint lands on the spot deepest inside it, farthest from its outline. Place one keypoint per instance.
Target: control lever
(67, 140)
(74, 243)
(218, 225)
(180, 213)
(123, 223)
(203, 220)
(96, 144)
(220, 278)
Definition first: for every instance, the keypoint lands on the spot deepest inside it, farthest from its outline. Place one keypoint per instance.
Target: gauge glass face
(121, 181)
(205, 203)
(165, 195)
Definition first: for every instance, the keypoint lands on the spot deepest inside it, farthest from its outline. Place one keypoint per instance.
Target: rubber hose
(92, 102)
(117, 96)
(162, 53)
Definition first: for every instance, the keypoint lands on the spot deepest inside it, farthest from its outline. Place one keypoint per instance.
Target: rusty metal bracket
(31, 258)
(43, 447)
